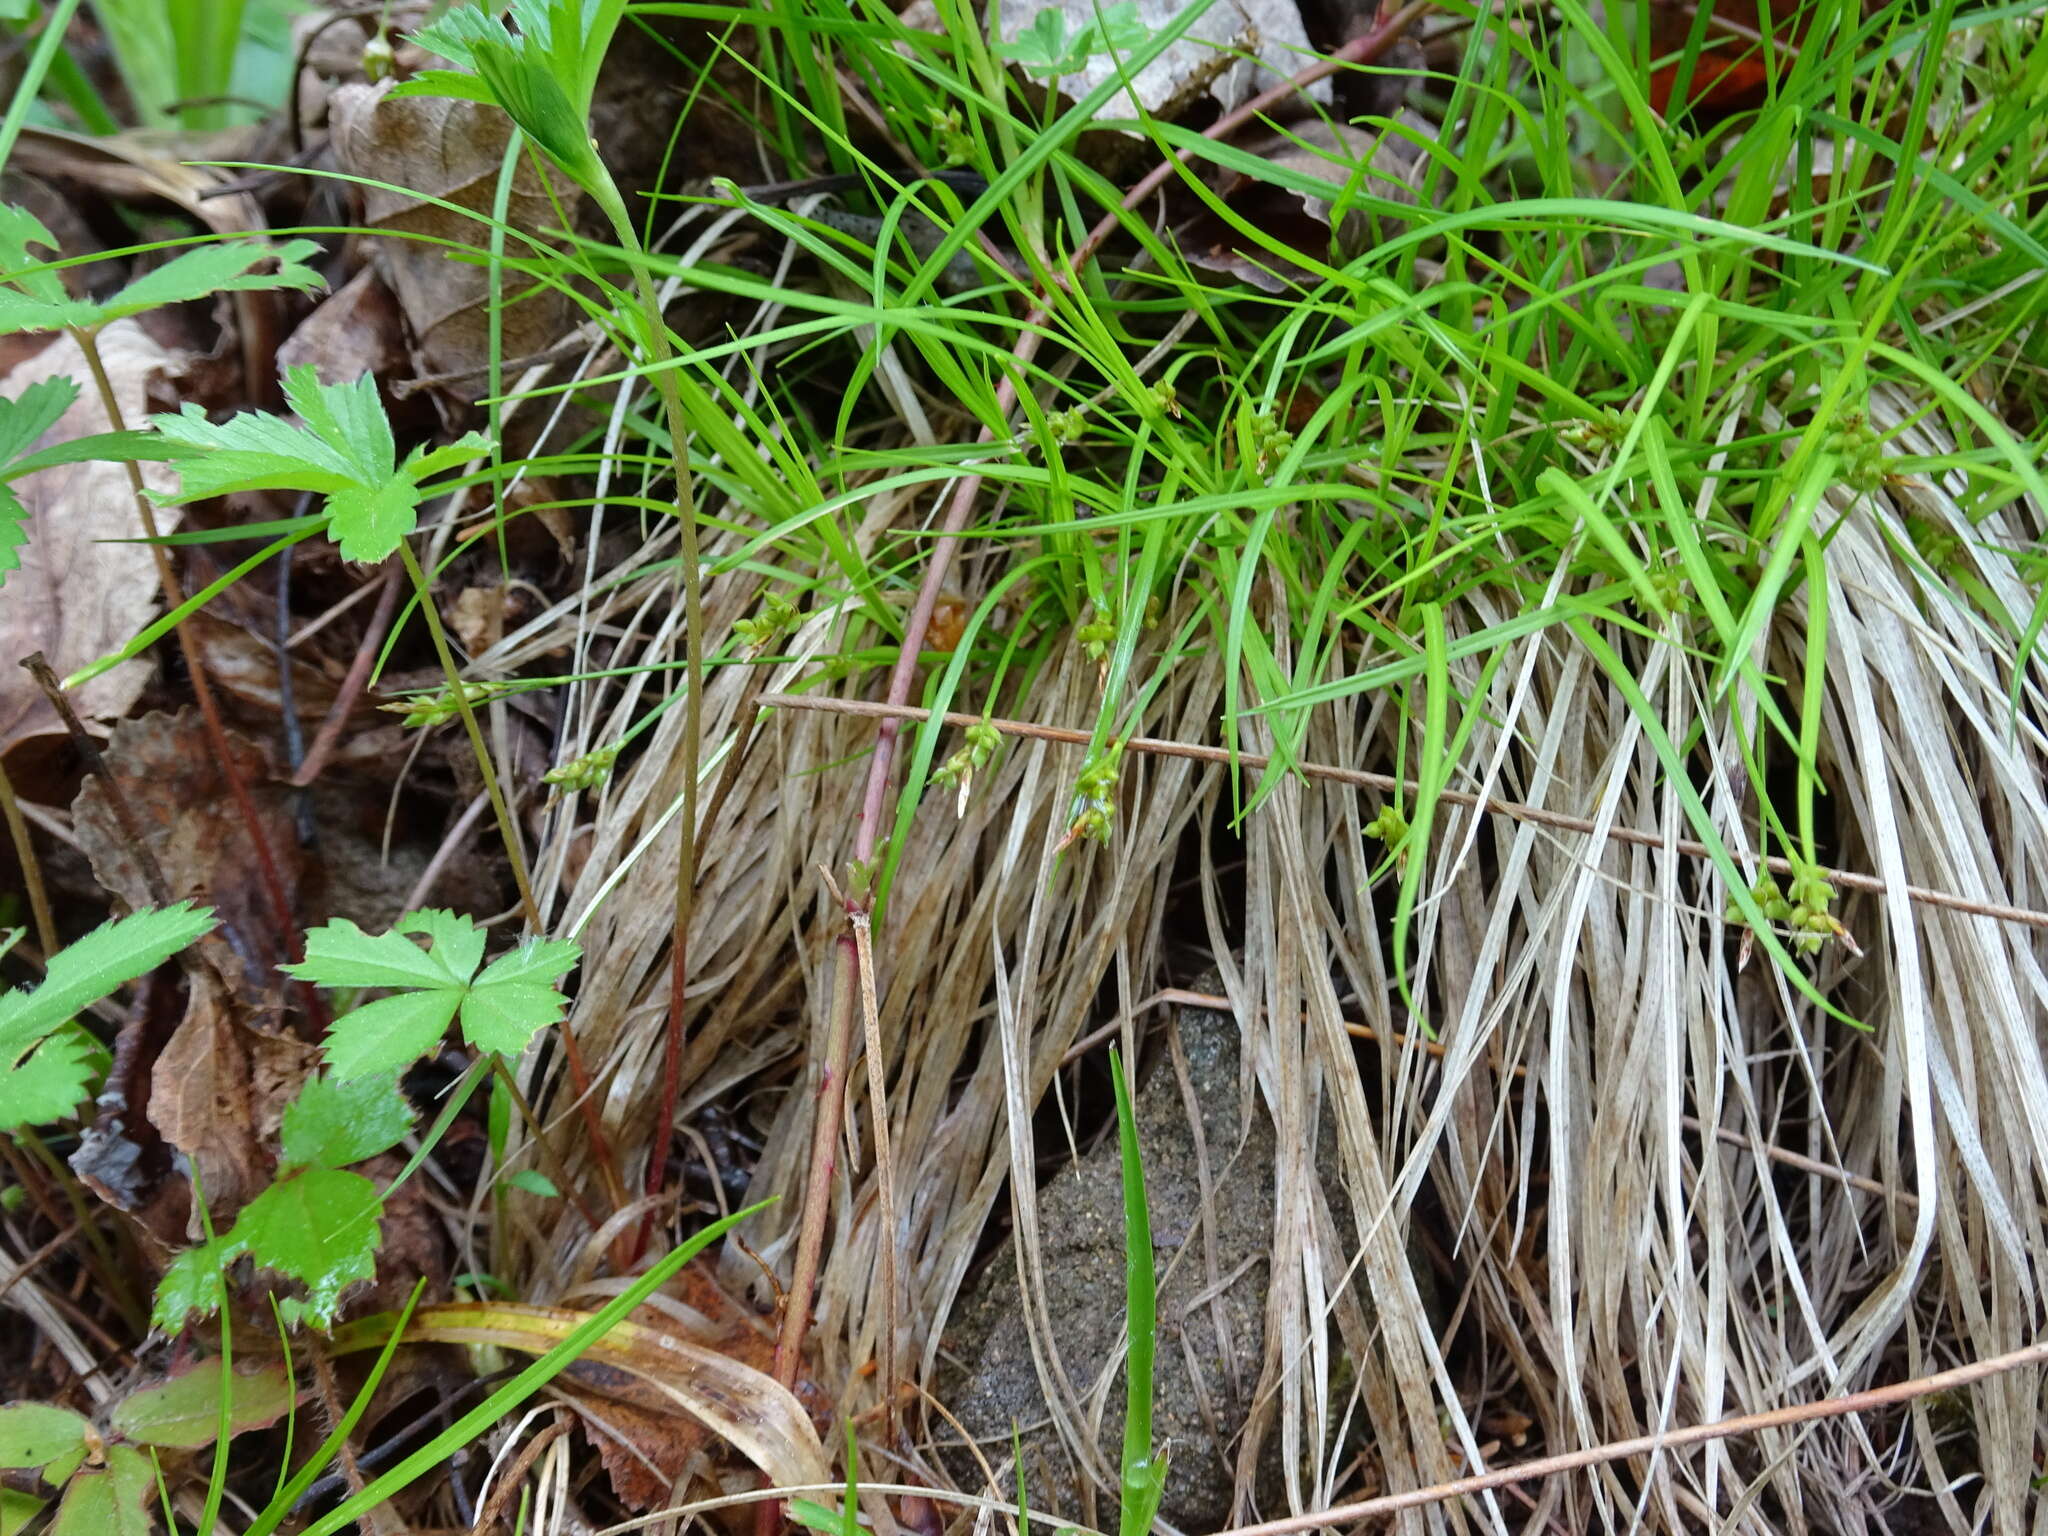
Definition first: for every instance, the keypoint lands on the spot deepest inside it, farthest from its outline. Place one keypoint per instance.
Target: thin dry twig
(1847, 879)
(1649, 1445)
(329, 735)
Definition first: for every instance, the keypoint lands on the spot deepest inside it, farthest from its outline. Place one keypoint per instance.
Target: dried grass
(1619, 1272)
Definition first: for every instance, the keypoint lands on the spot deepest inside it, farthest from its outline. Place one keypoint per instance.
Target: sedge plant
(542, 72)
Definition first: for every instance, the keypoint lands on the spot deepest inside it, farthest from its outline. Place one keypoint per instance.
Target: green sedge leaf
(333, 1123)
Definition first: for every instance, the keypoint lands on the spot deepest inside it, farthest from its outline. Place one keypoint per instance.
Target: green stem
(578, 1073)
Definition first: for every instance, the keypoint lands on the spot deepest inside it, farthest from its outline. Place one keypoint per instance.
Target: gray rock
(1210, 1340)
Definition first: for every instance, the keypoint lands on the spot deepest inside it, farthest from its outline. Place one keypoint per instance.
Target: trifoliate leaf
(319, 1227)
(334, 1123)
(114, 1501)
(35, 1436)
(79, 975)
(196, 274)
(343, 451)
(182, 1412)
(500, 1010)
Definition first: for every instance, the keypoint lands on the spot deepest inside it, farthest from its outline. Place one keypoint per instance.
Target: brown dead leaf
(217, 1094)
(478, 618)
(663, 1387)
(450, 150)
(77, 596)
(190, 820)
(355, 332)
(121, 1157)
(244, 666)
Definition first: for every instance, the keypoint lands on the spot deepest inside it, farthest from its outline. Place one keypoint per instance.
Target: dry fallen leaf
(651, 1394)
(78, 595)
(355, 331)
(452, 151)
(1236, 49)
(215, 1094)
(1381, 162)
(191, 821)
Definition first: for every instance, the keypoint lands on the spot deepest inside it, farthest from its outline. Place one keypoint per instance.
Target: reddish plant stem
(839, 1047)
(202, 690)
(329, 735)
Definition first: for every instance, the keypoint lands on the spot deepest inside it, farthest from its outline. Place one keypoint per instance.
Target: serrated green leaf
(32, 413)
(34, 1435)
(196, 274)
(318, 1227)
(182, 1412)
(143, 446)
(343, 451)
(500, 1010)
(196, 1281)
(79, 975)
(339, 954)
(458, 942)
(537, 960)
(111, 1502)
(516, 996)
(48, 1083)
(542, 76)
(390, 1033)
(21, 231)
(349, 417)
(13, 532)
(333, 1123)
(226, 267)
